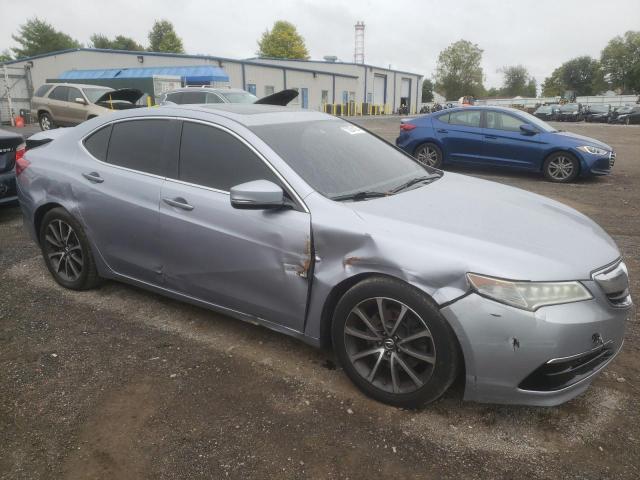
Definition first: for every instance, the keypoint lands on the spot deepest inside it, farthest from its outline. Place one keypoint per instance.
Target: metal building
(339, 87)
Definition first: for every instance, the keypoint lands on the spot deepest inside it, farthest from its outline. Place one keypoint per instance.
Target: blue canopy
(196, 75)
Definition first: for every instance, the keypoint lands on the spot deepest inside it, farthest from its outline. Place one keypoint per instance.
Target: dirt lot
(121, 383)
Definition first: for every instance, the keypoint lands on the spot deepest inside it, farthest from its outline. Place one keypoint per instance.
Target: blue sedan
(506, 138)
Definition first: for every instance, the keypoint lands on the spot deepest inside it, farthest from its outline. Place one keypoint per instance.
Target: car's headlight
(593, 150)
(528, 295)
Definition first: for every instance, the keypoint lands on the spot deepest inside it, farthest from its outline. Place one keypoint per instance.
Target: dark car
(11, 150)
(571, 112)
(502, 137)
(628, 115)
(598, 113)
(548, 112)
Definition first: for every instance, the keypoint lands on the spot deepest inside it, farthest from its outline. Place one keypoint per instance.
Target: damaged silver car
(311, 226)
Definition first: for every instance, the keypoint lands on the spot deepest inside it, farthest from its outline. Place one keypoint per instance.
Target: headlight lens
(528, 295)
(593, 150)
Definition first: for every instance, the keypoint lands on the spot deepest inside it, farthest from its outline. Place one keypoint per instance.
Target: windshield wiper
(357, 196)
(415, 181)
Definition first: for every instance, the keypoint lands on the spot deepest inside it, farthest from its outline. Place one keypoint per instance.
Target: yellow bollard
(148, 100)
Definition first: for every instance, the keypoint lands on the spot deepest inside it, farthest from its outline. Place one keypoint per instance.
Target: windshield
(625, 109)
(599, 108)
(569, 107)
(544, 109)
(94, 94)
(239, 97)
(540, 124)
(337, 158)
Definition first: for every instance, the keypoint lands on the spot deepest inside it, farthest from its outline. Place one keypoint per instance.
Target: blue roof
(195, 74)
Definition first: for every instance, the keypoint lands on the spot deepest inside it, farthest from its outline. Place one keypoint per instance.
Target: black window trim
(287, 186)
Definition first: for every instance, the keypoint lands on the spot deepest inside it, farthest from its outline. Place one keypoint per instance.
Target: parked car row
(307, 224)
(576, 112)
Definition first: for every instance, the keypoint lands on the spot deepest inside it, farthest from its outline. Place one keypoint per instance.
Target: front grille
(559, 374)
(614, 282)
(612, 159)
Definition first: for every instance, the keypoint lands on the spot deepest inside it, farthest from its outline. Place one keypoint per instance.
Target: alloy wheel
(427, 155)
(45, 123)
(389, 345)
(63, 250)
(560, 168)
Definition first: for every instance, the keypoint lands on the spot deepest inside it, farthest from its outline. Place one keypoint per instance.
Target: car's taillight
(21, 162)
(405, 127)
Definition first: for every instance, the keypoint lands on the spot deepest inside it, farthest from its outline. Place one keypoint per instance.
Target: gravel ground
(121, 383)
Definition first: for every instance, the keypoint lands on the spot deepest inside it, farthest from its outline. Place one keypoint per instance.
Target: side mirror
(80, 100)
(257, 195)
(527, 129)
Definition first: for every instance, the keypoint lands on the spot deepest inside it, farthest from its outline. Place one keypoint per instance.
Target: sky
(406, 34)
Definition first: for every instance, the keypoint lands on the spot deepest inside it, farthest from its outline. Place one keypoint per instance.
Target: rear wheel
(561, 167)
(394, 344)
(66, 251)
(46, 122)
(429, 154)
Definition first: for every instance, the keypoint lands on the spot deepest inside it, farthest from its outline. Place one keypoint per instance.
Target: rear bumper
(510, 354)
(8, 187)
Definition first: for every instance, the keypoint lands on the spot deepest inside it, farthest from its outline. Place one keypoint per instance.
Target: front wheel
(561, 167)
(66, 251)
(46, 122)
(429, 154)
(394, 344)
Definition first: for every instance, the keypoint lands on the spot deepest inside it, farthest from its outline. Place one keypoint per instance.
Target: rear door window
(213, 98)
(214, 158)
(465, 118)
(98, 142)
(140, 145)
(59, 93)
(174, 97)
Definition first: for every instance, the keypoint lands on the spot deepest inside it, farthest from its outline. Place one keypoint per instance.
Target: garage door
(379, 84)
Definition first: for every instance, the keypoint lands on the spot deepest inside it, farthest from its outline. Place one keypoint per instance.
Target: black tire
(441, 346)
(561, 167)
(428, 154)
(67, 255)
(46, 122)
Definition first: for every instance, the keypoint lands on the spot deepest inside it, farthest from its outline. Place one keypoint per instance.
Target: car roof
(208, 89)
(480, 107)
(78, 85)
(248, 114)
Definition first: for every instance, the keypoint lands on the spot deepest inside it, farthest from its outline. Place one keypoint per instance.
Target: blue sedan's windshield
(540, 124)
(337, 158)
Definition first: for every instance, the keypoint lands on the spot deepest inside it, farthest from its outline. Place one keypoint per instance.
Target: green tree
(582, 75)
(620, 61)
(37, 36)
(282, 41)
(120, 42)
(458, 71)
(493, 92)
(163, 38)
(5, 56)
(427, 90)
(517, 81)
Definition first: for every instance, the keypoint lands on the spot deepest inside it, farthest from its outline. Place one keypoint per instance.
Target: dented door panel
(252, 261)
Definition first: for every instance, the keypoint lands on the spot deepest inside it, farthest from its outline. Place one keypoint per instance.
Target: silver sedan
(310, 225)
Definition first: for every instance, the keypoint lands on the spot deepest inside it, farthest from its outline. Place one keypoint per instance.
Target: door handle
(178, 202)
(442, 130)
(491, 137)
(93, 177)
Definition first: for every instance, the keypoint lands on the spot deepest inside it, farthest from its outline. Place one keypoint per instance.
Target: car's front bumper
(8, 187)
(510, 352)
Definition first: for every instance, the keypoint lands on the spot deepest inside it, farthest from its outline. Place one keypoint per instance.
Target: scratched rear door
(251, 261)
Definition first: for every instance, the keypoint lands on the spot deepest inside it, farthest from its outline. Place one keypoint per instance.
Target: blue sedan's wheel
(561, 167)
(394, 344)
(429, 154)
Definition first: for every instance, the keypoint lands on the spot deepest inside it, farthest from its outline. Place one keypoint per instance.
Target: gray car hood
(489, 228)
